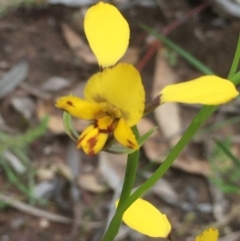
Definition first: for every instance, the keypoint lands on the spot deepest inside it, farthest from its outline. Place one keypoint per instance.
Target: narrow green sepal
(68, 127)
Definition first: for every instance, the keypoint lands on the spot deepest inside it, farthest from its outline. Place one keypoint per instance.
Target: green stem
(236, 59)
(236, 78)
(201, 117)
(129, 179)
(130, 173)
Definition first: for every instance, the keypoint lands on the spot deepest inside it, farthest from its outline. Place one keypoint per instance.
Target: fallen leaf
(79, 47)
(167, 115)
(13, 78)
(24, 105)
(43, 189)
(92, 182)
(65, 171)
(123, 233)
(163, 189)
(131, 56)
(45, 174)
(15, 162)
(72, 3)
(157, 151)
(235, 236)
(55, 84)
(156, 144)
(112, 167)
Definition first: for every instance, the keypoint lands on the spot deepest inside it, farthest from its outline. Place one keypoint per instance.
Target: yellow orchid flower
(210, 234)
(143, 217)
(114, 102)
(114, 98)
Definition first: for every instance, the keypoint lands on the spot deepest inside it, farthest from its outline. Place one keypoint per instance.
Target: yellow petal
(143, 217)
(125, 136)
(78, 107)
(93, 141)
(206, 90)
(105, 123)
(83, 134)
(210, 234)
(121, 87)
(107, 32)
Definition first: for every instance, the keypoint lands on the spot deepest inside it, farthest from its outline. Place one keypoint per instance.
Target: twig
(23, 207)
(33, 211)
(35, 91)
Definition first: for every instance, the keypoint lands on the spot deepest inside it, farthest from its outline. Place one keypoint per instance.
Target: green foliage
(18, 146)
(8, 142)
(225, 167)
(171, 56)
(10, 5)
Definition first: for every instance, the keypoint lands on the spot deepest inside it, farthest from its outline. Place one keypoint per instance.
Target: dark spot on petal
(130, 144)
(113, 125)
(92, 142)
(104, 131)
(70, 103)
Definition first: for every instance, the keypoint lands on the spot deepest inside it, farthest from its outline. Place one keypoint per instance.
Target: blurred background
(49, 190)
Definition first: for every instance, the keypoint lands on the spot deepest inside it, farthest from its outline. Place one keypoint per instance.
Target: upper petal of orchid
(143, 217)
(210, 234)
(79, 108)
(121, 87)
(206, 90)
(107, 32)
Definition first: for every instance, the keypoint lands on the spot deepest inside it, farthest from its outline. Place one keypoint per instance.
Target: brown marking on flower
(104, 131)
(113, 125)
(70, 103)
(95, 123)
(131, 145)
(92, 142)
(110, 128)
